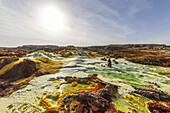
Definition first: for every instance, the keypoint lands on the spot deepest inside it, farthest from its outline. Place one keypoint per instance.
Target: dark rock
(152, 94)
(152, 61)
(109, 63)
(104, 59)
(115, 62)
(141, 75)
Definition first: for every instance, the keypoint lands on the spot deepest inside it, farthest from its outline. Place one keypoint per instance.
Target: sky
(86, 22)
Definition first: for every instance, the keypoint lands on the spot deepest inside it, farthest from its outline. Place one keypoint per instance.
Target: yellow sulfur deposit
(74, 83)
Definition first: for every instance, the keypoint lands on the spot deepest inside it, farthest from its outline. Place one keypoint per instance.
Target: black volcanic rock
(115, 62)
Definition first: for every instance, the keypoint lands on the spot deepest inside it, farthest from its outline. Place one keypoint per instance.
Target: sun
(52, 19)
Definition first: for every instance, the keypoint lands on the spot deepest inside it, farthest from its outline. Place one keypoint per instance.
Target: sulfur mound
(14, 71)
(19, 70)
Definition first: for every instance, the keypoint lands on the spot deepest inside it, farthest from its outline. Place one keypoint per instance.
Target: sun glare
(52, 19)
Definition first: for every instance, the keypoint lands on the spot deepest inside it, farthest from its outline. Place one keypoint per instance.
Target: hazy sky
(87, 22)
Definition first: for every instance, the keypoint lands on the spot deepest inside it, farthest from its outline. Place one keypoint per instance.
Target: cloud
(95, 24)
(137, 6)
(89, 22)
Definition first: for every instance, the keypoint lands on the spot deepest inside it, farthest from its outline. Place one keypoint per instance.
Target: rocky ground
(148, 54)
(76, 80)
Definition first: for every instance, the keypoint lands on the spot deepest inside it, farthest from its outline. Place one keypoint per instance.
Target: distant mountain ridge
(110, 47)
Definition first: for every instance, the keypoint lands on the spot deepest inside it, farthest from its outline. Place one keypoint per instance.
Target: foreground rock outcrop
(94, 100)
